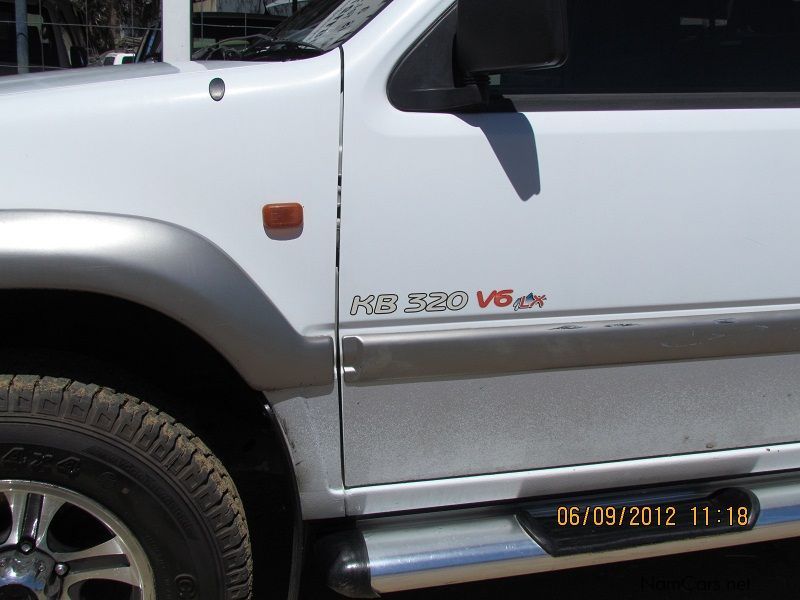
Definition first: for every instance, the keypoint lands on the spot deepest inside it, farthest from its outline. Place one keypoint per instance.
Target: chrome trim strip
(382, 357)
(438, 550)
(481, 489)
(169, 269)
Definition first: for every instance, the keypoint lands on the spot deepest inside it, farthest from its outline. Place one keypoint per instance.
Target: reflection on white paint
(55, 232)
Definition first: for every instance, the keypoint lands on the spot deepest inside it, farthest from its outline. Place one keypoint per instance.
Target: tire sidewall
(129, 484)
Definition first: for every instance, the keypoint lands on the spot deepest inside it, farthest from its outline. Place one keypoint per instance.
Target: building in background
(56, 36)
(63, 34)
(278, 8)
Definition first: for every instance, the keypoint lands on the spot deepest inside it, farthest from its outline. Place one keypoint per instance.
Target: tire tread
(183, 457)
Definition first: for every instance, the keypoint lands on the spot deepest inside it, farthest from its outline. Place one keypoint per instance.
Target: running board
(393, 554)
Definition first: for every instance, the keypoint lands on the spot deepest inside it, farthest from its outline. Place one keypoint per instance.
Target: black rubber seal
(345, 562)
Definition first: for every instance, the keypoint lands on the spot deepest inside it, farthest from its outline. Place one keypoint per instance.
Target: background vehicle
(117, 58)
(468, 290)
(210, 29)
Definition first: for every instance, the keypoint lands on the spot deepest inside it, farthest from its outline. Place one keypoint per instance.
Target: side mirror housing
(78, 57)
(498, 36)
(447, 69)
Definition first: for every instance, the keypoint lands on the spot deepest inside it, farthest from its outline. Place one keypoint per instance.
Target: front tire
(143, 510)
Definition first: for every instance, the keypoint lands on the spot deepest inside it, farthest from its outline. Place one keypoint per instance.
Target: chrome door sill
(402, 553)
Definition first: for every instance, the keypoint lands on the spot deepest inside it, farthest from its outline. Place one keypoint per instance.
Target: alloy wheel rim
(57, 544)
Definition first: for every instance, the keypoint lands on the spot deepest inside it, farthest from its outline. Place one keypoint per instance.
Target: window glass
(316, 27)
(70, 33)
(620, 46)
(284, 8)
(327, 23)
(228, 21)
(8, 44)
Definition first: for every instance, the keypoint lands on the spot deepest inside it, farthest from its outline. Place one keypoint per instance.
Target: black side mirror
(497, 36)
(78, 57)
(446, 70)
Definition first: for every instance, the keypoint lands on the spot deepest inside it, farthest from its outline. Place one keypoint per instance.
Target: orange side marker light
(287, 215)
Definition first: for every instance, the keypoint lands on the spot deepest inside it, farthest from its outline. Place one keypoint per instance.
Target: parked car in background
(208, 30)
(116, 58)
(227, 49)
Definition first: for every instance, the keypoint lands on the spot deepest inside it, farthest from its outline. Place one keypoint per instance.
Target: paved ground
(757, 572)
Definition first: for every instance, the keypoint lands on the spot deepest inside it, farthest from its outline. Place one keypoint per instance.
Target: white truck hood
(32, 82)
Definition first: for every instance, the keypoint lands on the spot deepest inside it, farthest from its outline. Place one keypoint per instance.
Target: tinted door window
(619, 46)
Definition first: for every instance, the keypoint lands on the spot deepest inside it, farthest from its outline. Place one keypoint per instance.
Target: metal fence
(43, 35)
(40, 35)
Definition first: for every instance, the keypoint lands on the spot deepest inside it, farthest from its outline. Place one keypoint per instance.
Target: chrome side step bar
(402, 553)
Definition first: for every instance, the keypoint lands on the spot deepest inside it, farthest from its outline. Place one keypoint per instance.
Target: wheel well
(119, 344)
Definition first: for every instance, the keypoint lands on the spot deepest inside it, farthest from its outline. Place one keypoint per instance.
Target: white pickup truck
(493, 288)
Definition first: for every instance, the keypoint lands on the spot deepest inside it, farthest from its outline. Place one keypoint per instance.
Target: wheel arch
(95, 338)
(157, 311)
(172, 271)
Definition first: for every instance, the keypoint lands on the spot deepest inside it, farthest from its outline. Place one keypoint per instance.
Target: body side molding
(169, 269)
(567, 480)
(375, 358)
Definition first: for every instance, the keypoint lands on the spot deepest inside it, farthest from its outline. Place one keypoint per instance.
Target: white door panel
(680, 213)
(598, 215)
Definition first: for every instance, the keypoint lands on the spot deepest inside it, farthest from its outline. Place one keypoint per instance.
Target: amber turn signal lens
(282, 216)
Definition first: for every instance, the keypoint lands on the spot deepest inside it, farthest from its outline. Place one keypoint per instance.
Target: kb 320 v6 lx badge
(386, 304)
